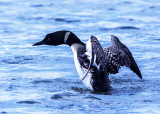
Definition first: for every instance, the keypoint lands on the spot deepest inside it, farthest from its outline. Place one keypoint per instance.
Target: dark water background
(44, 79)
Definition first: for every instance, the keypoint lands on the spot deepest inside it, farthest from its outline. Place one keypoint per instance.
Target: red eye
(49, 39)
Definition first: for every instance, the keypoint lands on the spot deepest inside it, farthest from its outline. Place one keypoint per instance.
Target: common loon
(94, 63)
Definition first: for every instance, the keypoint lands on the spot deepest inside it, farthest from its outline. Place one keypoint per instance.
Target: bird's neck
(71, 38)
(77, 46)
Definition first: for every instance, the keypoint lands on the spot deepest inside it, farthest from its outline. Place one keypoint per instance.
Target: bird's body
(93, 63)
(78, 50)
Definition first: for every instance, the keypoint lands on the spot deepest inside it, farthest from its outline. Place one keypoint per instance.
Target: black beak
(39, 43)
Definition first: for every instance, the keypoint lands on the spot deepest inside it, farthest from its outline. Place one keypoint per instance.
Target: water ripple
(120, 28)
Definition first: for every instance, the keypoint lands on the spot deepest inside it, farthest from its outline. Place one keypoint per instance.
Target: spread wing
(94, 59)
(119, 55)
(95, 63)
(100, 57)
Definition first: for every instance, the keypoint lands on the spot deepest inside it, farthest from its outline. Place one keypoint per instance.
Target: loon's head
(58, 38)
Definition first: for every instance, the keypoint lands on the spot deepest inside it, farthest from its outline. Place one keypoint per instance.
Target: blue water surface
(44, 79)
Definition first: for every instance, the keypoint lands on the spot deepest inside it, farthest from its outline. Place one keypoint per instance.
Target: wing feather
(94, 62)
(119, 55)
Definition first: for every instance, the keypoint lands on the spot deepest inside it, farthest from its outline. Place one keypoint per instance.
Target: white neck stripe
(66, 36)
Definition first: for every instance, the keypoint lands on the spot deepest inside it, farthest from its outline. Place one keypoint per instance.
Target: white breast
(80, 71)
